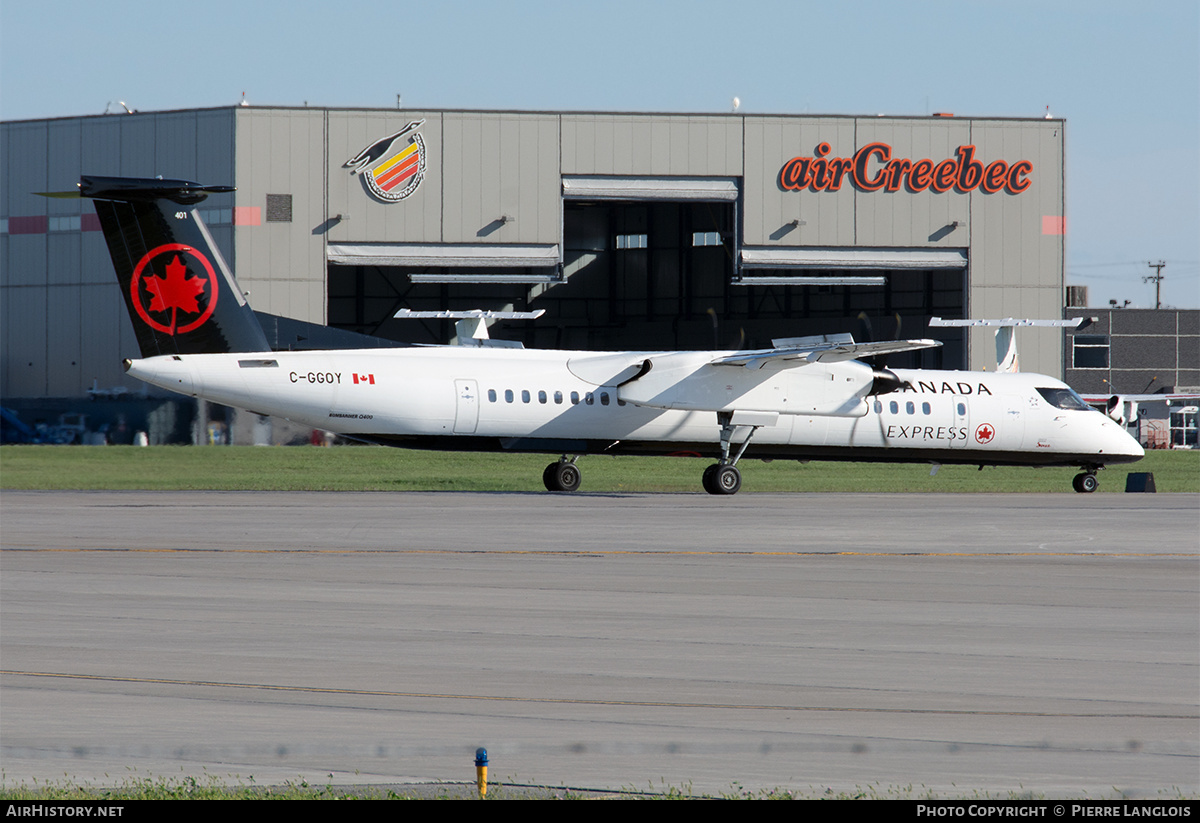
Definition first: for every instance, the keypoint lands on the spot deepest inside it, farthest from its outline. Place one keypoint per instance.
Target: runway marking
(571, 701)
(585, 553)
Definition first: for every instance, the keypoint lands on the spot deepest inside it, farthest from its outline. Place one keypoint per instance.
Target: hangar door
(645, 259)
(825, 290)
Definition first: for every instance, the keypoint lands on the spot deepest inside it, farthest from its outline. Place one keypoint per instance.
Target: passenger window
(962, 409)
(925, 408)
(508, 396)
(894, 407)
(588, 399)
(491, 395)
(541, 397)
(558, 398)
(879, 407)
(574, 398)
(603, 398)
(524, 395)
(910, 407)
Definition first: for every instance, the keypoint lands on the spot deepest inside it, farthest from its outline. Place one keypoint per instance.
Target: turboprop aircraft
(804, 398)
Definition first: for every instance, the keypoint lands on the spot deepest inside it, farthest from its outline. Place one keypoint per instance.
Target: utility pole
(1157, 277)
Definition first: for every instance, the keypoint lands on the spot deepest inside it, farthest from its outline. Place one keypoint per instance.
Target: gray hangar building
(632, 230)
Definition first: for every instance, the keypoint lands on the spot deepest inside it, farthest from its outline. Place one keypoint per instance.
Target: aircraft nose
(1119, 442)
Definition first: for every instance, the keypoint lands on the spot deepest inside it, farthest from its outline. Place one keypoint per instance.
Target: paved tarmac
(945, 642)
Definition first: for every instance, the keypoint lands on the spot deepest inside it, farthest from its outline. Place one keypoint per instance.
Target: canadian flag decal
(364, 378)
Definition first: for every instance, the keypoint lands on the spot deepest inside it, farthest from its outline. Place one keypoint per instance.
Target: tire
(548, 478)
(1086, 483)
(727, 480)
(707, 479)
(567, 477)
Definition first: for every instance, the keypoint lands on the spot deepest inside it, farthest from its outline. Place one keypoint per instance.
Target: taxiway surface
(992, 642)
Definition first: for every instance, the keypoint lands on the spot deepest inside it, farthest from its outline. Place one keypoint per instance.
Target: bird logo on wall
(392, 168)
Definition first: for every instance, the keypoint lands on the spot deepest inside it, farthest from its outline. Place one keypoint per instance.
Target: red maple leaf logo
(183, 289)
(177, 292)
(984, 433)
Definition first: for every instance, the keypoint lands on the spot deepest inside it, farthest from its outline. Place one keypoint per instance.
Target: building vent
(279, 208)
(1076, 297)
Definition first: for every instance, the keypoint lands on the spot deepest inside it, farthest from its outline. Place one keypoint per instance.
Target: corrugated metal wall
(281, 265)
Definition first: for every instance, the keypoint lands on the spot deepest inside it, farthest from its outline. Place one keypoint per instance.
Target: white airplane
(805, 398)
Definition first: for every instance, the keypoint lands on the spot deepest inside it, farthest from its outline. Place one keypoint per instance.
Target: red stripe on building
(89, 222)
(39, 224)
(247, 216)
(1053, 225)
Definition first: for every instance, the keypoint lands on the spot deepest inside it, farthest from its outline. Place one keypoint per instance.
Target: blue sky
(1126, 78)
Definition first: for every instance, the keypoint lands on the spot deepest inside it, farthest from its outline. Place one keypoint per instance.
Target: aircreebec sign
(873, 168)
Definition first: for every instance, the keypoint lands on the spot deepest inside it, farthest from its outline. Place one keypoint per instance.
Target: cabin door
(466, 410)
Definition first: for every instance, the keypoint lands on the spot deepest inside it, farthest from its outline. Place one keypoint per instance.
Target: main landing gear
(562, 476)
(723, 476)
(1085, 482)
(719, 479)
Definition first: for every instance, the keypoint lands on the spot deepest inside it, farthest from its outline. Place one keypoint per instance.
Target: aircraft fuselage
(582, 402)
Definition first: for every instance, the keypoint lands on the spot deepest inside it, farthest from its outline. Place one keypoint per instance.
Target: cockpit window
(1064, 399)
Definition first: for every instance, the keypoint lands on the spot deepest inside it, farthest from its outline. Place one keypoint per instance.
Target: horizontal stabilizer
(145, 189)
(1164, 397)
(471, 328)
(1071, 323)
(409, 314)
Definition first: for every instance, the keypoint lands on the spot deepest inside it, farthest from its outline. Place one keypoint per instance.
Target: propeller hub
(886, 381)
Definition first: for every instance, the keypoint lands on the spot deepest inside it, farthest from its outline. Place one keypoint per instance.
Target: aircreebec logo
(873, 168)
(183, 297)
(392, 168)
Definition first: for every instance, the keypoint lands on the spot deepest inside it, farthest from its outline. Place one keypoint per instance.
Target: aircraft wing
(814, 379)
(821, 350)
(1175, 397)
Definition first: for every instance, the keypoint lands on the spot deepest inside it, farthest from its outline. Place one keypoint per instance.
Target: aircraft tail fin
(1007, 360)
(180, 293)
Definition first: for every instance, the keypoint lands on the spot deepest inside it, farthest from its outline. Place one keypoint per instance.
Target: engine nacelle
(1121, 410)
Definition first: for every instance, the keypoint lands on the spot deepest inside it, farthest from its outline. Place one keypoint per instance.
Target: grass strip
(367, 468)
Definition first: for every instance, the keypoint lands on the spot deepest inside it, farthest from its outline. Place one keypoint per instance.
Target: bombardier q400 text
(806, 398)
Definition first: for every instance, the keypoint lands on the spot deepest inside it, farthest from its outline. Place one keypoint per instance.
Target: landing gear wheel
(1085, 483)
(720, 479)
(562, 476)
(727, 480)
